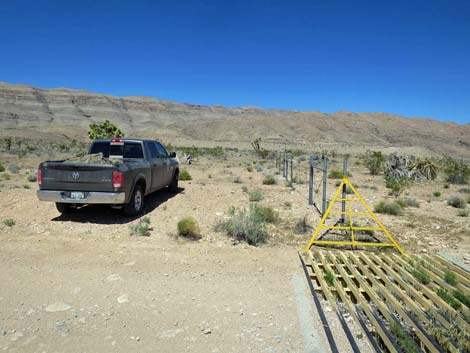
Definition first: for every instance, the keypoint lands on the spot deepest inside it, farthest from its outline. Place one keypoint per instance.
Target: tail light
(39, 176)
(118, 180)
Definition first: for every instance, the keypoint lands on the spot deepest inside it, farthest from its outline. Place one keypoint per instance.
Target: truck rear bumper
(90, 197)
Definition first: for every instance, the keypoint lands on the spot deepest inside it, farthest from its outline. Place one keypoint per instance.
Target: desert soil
(81, 283)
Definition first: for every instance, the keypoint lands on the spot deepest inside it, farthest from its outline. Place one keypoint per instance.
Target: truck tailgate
(65, 176)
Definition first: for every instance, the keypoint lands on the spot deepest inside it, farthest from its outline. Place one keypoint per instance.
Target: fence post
(343, 203)
(325, 176)
(310, 182)
(291, 169)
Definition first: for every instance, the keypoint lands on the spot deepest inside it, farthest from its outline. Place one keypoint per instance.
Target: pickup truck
(127, 169)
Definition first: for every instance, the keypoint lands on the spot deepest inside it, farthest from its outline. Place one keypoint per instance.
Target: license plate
(76, 195)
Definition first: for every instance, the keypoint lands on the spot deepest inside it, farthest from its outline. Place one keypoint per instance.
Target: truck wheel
(135, 206)
(64, 208)
(173, 187)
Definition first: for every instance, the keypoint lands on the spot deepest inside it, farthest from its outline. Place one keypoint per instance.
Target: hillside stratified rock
(69, 112)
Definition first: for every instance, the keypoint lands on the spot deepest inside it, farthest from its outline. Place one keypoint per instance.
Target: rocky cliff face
(29, 109)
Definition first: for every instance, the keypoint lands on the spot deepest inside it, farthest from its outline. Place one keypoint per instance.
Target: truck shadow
(104, 214)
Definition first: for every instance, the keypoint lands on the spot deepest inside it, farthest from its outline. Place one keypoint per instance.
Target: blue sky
(405, 57)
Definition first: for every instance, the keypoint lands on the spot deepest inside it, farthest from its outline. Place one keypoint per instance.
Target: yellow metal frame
(352, 242)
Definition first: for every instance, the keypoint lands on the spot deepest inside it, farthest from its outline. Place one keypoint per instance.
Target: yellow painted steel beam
(350, 227)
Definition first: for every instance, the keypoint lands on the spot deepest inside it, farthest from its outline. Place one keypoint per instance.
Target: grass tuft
(188, 227)
(184, 175)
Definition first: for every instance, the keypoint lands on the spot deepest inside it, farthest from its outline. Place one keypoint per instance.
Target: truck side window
(153, 150)
(132, 150)
(162, 150)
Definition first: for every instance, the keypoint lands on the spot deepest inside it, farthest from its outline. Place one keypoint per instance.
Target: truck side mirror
(172, 154)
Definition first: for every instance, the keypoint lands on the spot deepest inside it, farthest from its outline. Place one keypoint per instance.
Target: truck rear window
(128, 150)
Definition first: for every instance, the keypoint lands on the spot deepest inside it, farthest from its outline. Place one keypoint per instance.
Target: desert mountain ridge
(37, 112)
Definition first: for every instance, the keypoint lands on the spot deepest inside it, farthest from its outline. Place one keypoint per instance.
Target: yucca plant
(425, 167)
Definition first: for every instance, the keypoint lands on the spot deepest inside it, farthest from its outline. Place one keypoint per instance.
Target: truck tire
(173, 187)
(64, 208)
(135, 206)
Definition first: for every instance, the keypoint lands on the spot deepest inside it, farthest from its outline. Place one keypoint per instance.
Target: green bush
(6, 176)
(463, 213)
(249, 169)
(269, 180)
(336, 174)
(188, 227)
(255, 195)
(9, 222)
(420, 275)
(386, 207)
(448, 298)
(374, 161)
(259, 168)
(456, 202)
(32, 178)
(329, 278)
(104, 129)
(437, 194)
(244, 188)
(450, 277)
(464, 299)
(405, 341)
(407, 202)
(397, 186)
(245, 224)
(142, 228)
(457, 172)
(266, 213)
(184, 175)
(2, 168)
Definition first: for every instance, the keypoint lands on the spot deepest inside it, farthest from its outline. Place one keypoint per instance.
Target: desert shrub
(425, 167)
(245, 224)
(259, 168)
(464, 190)
(448, 298)
(9, 222)
(32, 178)
(456, 201)
(464, 299)
(269, 180)
(255, 195)
(2, 168)
(288, 184)
(6, 176)
(436, 193)
(237, 180)
(329, 277)
(463, 213)
(184, 175)
(348, 190)
(407, 202)
(298, 180)
(301, 226)
(142, 228)
(446, 186)
(405, 341)
(13, 168)
(244, 188)
(420, 275)
(386, 207)
(457, 172)
(188, 227)
(374, 161)
(249, 169)
(450, 277)
(266, 213)
(362, 231)
(26, 186)
(336, 174)
(104, 129)
(397, 186)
